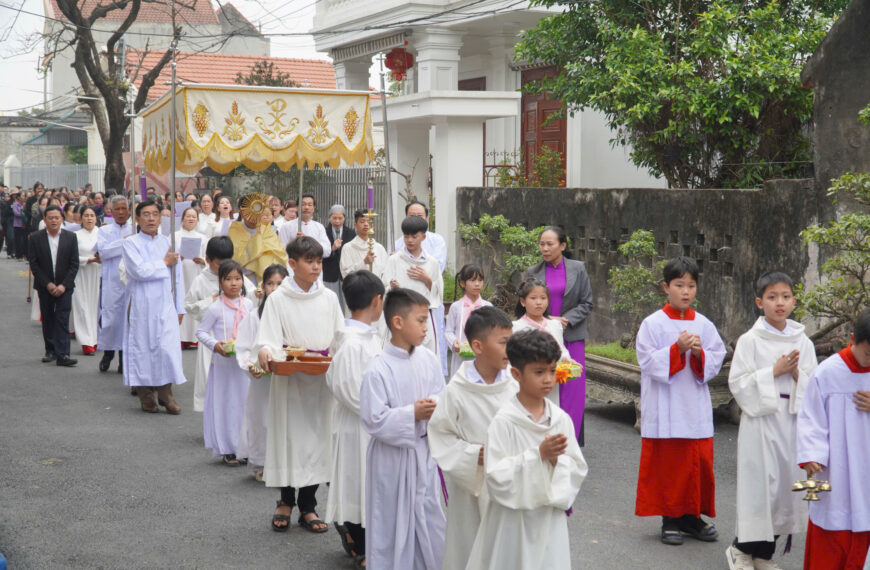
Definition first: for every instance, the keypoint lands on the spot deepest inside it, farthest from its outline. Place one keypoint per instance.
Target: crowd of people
(454, 437)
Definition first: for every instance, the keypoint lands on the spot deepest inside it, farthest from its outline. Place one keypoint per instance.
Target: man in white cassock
(355, 254)
(304, 225)
(152, 341)
(114, 296)
(302, 313)
(435, 246)
(404, 520)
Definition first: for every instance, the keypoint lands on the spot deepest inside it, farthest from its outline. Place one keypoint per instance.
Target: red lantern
(399, 61)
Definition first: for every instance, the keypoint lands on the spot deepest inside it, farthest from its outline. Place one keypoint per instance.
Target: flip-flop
(309, 525)
(671, 537)
(358, 561)
(281, 518)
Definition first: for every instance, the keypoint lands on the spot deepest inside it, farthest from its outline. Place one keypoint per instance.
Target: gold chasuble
(258, 250)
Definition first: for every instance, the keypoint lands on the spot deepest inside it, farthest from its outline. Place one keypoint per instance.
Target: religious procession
(585, 352)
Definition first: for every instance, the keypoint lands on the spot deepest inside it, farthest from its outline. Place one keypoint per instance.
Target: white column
(437, 62)
(457, 161)
(352, 75)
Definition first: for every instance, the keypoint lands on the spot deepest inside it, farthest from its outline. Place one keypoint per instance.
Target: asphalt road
(87, 480)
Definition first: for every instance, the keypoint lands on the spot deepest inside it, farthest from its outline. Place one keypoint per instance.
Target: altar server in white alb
(114, 295)
(304, 225)
(457, 430)
(190, 267)
(355, 254)
(833, 443)
(412, 268)
(404, 520)
(435, 246)
(772, 365)
(301, 313)
(534, 468)
(86, 299)
(358, 344)
(152, 348)
(227, 387)
(679, 351)
(252, 439)
(200, 295)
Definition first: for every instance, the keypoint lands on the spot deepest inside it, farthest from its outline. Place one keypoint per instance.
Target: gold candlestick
(812, 487)
(370, 215)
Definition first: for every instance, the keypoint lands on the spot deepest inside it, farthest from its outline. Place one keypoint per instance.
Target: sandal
(359, 562)
(309, 525)
(230, 460)
(281, 518)
(345, 543)
(697, 528)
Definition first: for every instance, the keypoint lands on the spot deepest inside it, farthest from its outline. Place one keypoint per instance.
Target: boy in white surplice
(772, 365)
(304, 313)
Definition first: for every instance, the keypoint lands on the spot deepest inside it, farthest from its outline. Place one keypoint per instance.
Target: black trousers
(759, 549)
(55, 321)
(20, 242)
(9, 238)
(306, 501)
(358, 533)
(108, 355)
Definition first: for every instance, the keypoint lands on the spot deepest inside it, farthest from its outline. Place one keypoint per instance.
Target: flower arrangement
(566, 371)
(465, 350)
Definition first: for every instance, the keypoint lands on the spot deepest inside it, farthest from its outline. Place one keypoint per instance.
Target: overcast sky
(22, 86)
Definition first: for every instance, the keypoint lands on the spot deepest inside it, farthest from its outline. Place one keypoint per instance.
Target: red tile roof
(201, 12)
(221, 69)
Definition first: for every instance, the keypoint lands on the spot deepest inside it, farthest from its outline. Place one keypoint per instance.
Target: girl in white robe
(227, 386)
(86, 298)
(190, 268)
(766, 461)
(470, 280)
(252, 439)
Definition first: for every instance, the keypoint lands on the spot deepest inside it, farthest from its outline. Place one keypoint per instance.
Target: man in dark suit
(338, 234)
(53, 254)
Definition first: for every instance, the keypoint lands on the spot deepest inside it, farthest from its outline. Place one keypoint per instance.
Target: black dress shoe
(66, 361)
(104, 365)
(49, 357)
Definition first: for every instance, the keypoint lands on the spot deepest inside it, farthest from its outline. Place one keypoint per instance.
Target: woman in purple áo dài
(570, 303)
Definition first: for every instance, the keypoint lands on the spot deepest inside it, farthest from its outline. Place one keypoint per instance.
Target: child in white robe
(457, 430)
(252, 439)
(190, 267)
(414, 269)
(833, 442)
(679, 351)
(227, 386)
(355, 254)
(470, 280)
(202, 293)
(358, 344)
(769, 373)
(404, 520)
(534, 468)
(302, 312)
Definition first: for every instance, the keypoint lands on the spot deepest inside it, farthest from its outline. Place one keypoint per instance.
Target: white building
(461, 103)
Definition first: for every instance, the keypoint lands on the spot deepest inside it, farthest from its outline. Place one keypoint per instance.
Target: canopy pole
(391, 230)
(172, 127)
(299, 203)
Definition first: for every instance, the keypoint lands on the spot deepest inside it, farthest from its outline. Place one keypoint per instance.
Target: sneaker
(762, 564)
(738, 560)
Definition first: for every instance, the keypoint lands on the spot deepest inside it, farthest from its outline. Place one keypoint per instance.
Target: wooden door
(536, 127)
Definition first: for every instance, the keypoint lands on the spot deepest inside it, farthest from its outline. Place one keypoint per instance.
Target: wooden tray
(308, 364)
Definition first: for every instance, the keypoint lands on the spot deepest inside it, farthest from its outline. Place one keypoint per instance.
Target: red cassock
(835, 549)
(676, 478)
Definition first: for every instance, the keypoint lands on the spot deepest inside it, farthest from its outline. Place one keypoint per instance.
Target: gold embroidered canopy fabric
(225, 126)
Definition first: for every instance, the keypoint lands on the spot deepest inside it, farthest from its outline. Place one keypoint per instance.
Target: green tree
(264, 73)
(636, 287)
(77, 154)
(845, 290)
(706, 92)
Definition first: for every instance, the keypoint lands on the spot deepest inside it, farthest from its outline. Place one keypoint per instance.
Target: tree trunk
(115, 174)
